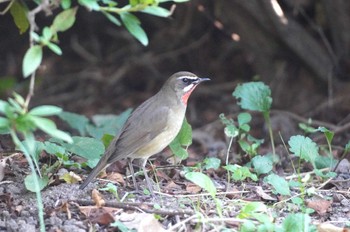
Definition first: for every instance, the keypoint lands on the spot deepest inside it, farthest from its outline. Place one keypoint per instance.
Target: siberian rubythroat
(151, 126)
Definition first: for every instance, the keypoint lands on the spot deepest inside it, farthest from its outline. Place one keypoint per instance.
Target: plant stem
(268, 123)
(20, 145)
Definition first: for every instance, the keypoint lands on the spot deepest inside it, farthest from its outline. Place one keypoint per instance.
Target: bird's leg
(131, 169)
(149, 185)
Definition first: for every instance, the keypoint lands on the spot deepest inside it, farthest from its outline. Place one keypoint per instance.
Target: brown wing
(143, 125)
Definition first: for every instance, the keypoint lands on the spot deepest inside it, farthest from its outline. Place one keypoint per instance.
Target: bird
(151, 127)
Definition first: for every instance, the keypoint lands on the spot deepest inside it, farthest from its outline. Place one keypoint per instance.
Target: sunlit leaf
(202, 181)
(132, 23)
(32, 60)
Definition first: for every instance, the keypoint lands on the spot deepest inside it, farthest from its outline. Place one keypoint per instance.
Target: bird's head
(183, 83)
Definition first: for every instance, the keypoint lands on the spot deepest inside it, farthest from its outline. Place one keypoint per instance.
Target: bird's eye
(185, 80)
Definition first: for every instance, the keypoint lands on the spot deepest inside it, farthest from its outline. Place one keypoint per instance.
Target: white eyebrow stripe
(188, 77)
(189, 87)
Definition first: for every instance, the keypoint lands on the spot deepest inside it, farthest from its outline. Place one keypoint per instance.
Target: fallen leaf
(327, 227)
(142, 222)
(65, 208)
(100, 215)
(70, 177)
(97, 198)
(320, 206)
(259, 190)
(193, 188)
(116, 177)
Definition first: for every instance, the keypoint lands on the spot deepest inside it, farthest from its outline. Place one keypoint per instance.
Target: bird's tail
(101, 165)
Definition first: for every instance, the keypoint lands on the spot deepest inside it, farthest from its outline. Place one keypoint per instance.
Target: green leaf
(304, 147)
(202, 181)
(262, 164)
(240, 173)
(250, 208)
(30, 183)
(55, 48)
(47, 34)
(45, 110)
(19, 14)
(75, 121)
(4, 122)
(329, 134)
(178, 150)
(64, 20)
(89, 148)
(248, 226)
(91, 4)
(211, 162)
(280, 184)
(132, 24)
(112, 18)
(53, 148)
(49, 127)
(230, 130)
(65, 4)
(254, 96)
(157, 11)
(32, 59)
(107, 139)
(244, 118)
(297, 222)
(121, 226)
(185, 134)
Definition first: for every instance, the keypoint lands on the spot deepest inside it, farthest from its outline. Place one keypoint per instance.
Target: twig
(147, 208)
(200, 195)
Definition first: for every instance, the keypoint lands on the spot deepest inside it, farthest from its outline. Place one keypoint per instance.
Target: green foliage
(304, 148)
(183, 139)
(111, 188)
(132, 23)
(298, 222)
(262, 164)
(240, 173)
(254, 96)
(211, 163)
(30, 183)
(19, 14)
(32, 60)
(202, 181)
(279, 184)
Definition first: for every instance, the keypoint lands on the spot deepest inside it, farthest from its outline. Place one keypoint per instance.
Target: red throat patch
(185, 97)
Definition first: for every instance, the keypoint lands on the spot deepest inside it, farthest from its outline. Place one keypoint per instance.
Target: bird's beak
(203, 79)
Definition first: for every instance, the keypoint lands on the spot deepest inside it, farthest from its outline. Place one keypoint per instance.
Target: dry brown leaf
(97, 198)
(100, 215)
(327, 227)
(116, 177)
(65, 208)
(171, 186)
(259, 190)
(320, 206)
(193, 188)
(70, 177)
(142, 222)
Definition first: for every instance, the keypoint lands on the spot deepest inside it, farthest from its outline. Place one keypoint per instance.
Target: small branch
(147, 208)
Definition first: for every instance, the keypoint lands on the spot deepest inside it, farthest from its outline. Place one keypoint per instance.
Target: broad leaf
(64, 20)
(202, 181)
(254, 96)
(32, 59)
(304, 147)
(132, 23)
(19, 14)
(280, 184)
(45, 110)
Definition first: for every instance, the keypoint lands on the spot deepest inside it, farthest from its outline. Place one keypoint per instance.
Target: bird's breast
(165, 137)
